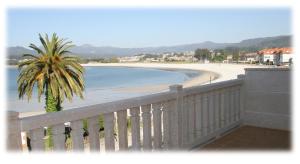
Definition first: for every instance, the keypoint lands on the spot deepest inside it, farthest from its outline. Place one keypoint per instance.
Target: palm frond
(54, 68)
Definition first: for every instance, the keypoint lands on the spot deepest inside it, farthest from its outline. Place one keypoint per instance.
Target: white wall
(267, 97)
(286, 57)
(266, 57)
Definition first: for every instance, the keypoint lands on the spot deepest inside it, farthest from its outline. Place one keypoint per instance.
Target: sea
(101, 85)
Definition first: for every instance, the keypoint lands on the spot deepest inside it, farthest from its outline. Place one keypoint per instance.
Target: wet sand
(201, 78)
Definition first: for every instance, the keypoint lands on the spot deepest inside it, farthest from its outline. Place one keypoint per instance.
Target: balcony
(237, 114)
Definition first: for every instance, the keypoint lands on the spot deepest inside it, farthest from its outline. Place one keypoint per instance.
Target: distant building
(251, 57)
(153, 60)
(187, 56)
(229, 59)
(130, 59)
(189, 53)
(275, 55)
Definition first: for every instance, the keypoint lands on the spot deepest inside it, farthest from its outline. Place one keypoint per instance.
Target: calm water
(101, 84)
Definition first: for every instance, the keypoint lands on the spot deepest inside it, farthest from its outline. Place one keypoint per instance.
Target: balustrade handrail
(179, 120)
(49, 119)
(211, 87)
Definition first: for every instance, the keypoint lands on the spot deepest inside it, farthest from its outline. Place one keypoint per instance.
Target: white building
(251, 57)
(130, 58)
(275, 55)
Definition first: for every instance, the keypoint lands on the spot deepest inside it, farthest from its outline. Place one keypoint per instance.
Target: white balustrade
(180, 119)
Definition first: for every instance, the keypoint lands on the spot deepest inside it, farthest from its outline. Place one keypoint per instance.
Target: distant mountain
(89, 51)
(16, 52)
(266, 42)
(92, 51)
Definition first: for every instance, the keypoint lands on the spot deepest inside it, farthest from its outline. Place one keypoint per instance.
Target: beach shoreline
(202, 77)
(223, 71)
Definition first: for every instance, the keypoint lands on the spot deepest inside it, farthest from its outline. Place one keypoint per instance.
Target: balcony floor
(252, 138)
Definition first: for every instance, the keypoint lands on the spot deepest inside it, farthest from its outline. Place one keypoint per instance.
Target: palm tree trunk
(51, 102)
(58, 104)
(52, 105)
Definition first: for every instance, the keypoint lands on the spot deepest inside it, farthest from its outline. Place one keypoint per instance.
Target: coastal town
(268, 56)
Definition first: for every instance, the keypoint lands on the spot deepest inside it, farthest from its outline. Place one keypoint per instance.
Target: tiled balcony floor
(252, 138)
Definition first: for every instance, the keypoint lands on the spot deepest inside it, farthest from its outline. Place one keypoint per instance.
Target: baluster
(177, 112)
(238, 107)
(205, 118)
(58, 132)
(174, 138)
(222, 108)
(198, 113)
(146, 115)
(185, 129)
(227, 106)
(167, 125)
(77, 135)
(109, 131)
(232, 107)
(122, 129)
(211, 112)
(235, 104)
(191, 118)
(93, 129)
(157, 126)
(24, 140)
(135, 128)
(37, 139)
(227, 109)
(217, 110)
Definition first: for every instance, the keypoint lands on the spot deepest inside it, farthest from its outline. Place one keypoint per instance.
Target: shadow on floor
(252, 138)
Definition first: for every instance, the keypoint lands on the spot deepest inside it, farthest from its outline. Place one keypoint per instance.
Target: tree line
(219, 55)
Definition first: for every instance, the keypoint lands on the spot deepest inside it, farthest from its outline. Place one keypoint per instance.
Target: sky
(146, 27)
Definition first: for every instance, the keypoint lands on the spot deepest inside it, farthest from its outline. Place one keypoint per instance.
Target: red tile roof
(284, 50)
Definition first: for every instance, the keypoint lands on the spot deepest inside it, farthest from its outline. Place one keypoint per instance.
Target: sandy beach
(218, 72)
(207, 73)
(202, 78)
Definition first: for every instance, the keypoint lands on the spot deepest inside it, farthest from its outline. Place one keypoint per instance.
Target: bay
(101, 85)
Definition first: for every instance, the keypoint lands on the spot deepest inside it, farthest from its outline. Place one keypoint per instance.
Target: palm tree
(56, 73)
